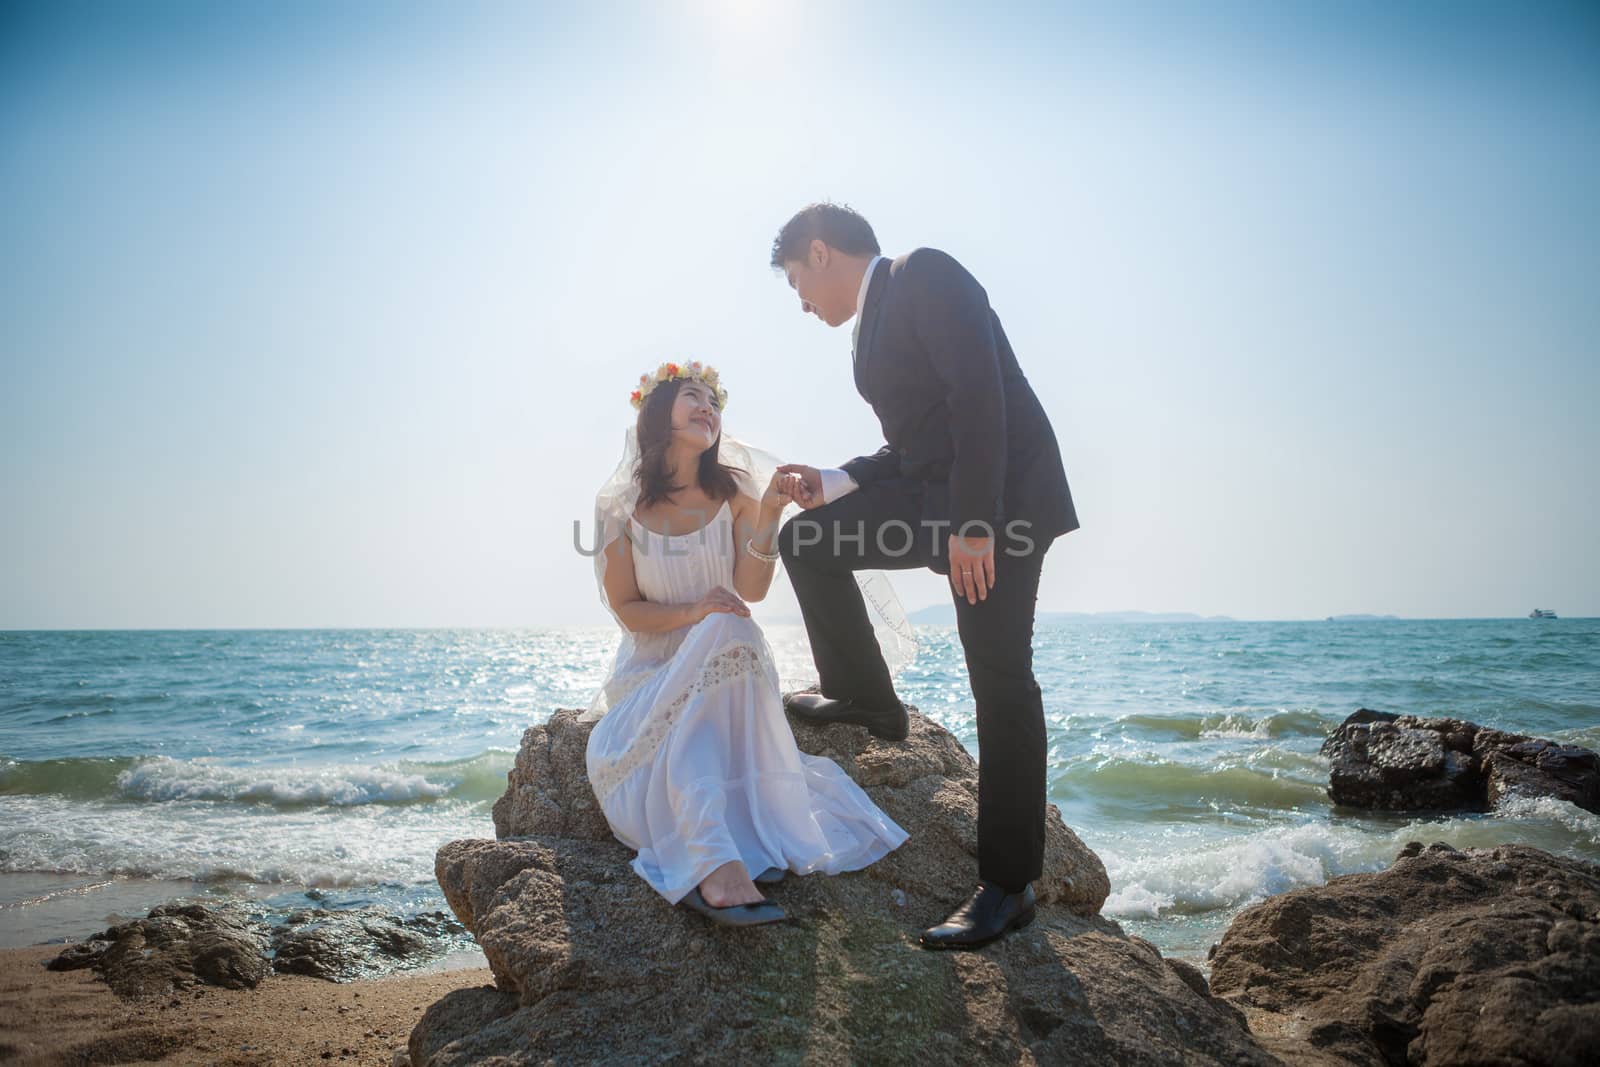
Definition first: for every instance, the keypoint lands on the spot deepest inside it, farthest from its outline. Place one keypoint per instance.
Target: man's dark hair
(836, 225)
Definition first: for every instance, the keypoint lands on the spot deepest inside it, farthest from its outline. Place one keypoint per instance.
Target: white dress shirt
(835, 482)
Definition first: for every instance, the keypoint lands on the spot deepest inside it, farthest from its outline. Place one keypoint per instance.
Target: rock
(460, 1012)
(342, 946)
(181, 945)
(927, 783)
(176, 946)
(1387, 762)
(74, 957)
(590, 963)
(1481, 956)
(1390, 765)
(1535, 768)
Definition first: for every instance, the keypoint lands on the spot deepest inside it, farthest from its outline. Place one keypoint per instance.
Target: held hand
(720, 599)
(782, 489)
(809, 481)
(972, 567)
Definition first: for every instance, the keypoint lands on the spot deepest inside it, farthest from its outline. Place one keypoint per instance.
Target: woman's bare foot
(728, 885)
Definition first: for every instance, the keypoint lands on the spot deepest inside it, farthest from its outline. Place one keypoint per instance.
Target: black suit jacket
(957, 413)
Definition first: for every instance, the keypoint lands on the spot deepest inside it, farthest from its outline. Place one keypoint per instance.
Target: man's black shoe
(990, 914)
(892, 724)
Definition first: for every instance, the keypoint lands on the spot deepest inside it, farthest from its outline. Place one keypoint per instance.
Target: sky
(326, 314)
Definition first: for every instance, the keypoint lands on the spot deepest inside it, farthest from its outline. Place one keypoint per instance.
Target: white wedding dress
(695, 764)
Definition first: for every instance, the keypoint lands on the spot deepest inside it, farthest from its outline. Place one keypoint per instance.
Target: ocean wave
(1162, 784)
(1583, 824)
(223, 843)
(1243, 724)
(69, 716)
(1587, 736)
(1193, 876)
(1226, 874)
(477, 778)
(81, 778)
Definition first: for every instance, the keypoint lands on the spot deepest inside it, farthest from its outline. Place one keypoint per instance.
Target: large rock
(1483, 956)
(1387, 762)
(591, 964)
(927, 783)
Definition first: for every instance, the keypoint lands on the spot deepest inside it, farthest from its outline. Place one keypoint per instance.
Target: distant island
(945, 615)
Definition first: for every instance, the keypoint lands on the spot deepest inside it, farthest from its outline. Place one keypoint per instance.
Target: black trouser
(821, 548)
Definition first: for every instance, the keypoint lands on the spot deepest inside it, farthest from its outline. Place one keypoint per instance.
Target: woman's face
(695, 417)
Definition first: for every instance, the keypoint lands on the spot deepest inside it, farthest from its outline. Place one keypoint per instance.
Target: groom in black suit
(969, 484)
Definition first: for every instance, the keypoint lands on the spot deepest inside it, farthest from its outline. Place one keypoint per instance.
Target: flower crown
(673, 372)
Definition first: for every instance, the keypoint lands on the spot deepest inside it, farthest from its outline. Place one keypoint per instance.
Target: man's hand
(782, 489)
(972, 567)
(808, 493)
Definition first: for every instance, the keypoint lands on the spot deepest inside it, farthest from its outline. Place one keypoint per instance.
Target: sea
(290, 768)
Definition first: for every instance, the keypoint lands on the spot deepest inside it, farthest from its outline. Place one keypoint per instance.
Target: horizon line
(1344, 616)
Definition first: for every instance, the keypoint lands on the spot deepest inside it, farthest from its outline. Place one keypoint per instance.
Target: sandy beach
(72, 1017)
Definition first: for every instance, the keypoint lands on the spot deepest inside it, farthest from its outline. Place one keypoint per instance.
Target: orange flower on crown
(694, 370)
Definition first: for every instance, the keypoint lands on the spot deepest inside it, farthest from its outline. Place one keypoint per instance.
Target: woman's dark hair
(836, 225)
(655, 435)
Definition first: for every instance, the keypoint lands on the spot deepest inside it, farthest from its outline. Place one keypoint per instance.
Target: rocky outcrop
(343, 946)
(176, 946)
(927, 783)
(182, 945)
(1481, 956)
(591, 964)
(1387, 762)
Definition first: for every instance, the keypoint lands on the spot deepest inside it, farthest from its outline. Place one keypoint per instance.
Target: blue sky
(325, 314)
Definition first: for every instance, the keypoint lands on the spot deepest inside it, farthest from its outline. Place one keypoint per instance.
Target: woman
(693, 760)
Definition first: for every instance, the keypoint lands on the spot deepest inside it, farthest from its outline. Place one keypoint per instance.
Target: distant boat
(1541, 613)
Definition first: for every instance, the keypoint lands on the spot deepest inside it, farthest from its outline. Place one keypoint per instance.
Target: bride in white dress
(692, 758)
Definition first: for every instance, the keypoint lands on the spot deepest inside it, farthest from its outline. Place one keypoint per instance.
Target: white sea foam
(321, 846)
(1585, 824)
(1136, 901)
(1223, 874)
(1189, 874)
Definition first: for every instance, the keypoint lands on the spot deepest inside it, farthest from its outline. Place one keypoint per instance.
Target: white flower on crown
(671, 372)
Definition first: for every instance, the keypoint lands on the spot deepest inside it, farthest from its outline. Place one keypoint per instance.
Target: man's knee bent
(800, 539)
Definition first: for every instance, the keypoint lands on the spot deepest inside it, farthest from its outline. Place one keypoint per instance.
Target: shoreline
(60, 1017)
(48, 908)
(51, 908)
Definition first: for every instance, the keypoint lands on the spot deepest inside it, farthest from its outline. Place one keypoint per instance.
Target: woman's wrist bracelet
(764, 557)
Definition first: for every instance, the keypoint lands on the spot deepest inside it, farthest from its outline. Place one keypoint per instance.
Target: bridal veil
(636, 655)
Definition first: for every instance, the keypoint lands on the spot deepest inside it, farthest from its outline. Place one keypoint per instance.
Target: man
(969, 484)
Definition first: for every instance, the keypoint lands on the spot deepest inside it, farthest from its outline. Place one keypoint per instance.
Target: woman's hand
(808, 484)
(720, 599)
(782, 489)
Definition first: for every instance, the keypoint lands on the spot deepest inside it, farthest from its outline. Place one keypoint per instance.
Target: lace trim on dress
(729, 665)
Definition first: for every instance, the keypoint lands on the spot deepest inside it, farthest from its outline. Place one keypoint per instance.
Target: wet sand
(72, 1017)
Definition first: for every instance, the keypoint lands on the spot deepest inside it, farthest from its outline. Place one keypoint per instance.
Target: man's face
(819, 281)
